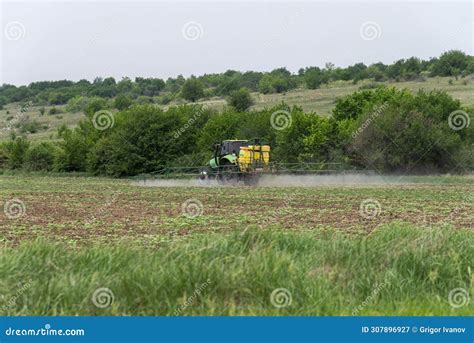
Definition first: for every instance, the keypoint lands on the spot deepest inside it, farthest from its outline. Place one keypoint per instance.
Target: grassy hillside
(319, 100)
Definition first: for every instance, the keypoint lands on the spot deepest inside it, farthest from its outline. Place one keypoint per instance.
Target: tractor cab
(230, 147)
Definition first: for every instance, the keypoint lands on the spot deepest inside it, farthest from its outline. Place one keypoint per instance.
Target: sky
(56, 40)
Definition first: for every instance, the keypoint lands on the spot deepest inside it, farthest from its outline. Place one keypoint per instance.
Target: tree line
(154, 90)
(383, 129)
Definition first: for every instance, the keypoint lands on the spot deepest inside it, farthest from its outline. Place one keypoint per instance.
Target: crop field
(96, 246)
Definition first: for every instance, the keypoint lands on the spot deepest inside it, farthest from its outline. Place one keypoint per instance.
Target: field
(96, 246)
(319, 100)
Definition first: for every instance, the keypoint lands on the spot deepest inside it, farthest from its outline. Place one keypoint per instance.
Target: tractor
(237, 161)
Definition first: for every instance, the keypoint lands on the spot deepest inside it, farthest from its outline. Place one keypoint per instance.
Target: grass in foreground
(395, 270)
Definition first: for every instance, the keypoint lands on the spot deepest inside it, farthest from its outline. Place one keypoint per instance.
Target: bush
(241, 100)
(3, 155)
(94, 105)
(451, 63)
(146, 138)
(40, 157)
(16, 150)
(409, 134)
(122, 102)
(54, 110)
(352, 106)
(192, 90)
(144, 100)
(75, 146)
(29, 127)
(314, 77)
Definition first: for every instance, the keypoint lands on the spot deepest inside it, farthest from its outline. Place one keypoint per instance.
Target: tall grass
(396, 270)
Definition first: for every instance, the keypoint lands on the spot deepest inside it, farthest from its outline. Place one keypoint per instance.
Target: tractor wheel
(228, 174)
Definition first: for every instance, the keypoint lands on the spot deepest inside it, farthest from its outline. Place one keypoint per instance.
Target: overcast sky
(54, 40)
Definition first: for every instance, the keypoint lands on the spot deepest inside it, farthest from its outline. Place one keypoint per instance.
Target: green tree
(192, 90)
(410, 134)
(241, 100)
(40, 157)
(17, 149)
(450, 63)
(122, 102)
(314, 77)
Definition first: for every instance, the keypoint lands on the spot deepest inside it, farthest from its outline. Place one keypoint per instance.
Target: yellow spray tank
(254, 158)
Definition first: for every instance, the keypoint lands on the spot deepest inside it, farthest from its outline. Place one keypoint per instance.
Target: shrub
(146, 138)
(17, 149)
(95, 104)
(75, 145)
(40, 157)
(54, 110)
(192, 90)
(122, 102)
(29, 127)
(241, 100)
(410, 134)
